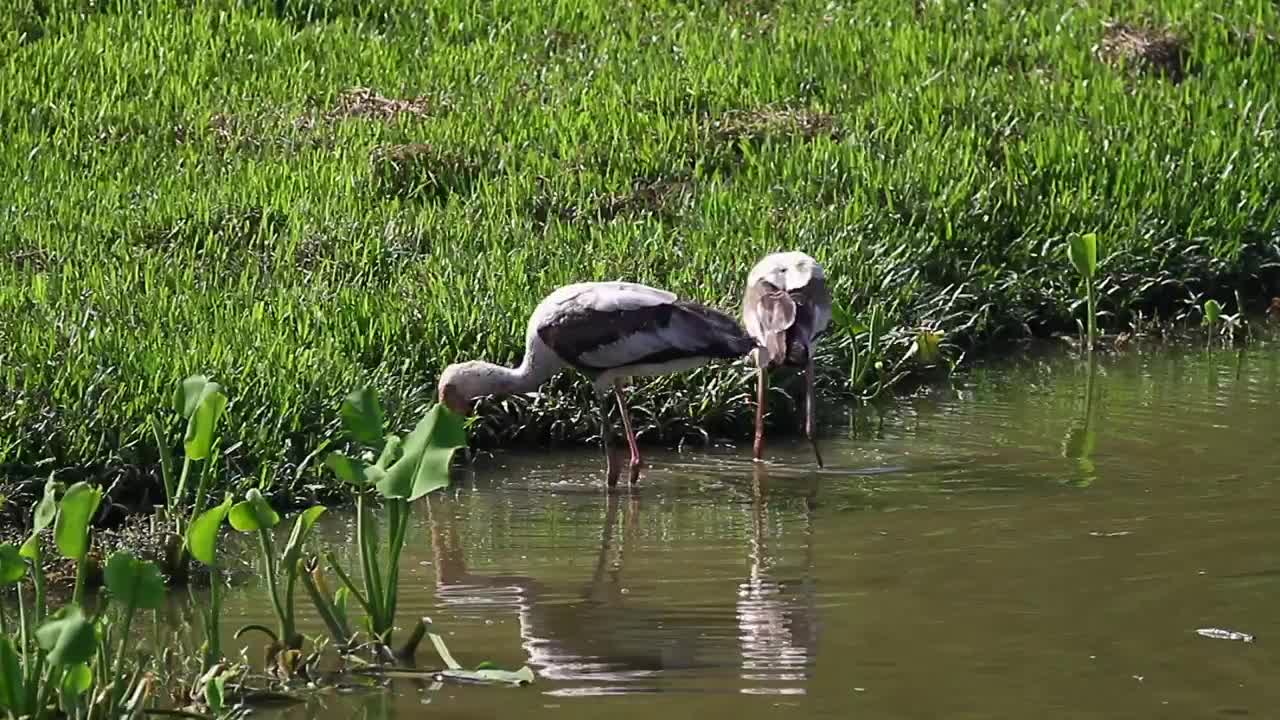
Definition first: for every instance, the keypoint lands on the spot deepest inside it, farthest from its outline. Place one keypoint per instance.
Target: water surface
(1000, 548)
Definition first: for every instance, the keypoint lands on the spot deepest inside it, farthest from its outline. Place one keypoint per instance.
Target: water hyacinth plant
(404, 471)
(201, 403)
(1082, 251)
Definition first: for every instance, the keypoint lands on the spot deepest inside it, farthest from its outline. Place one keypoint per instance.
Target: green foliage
(12, 566)
(75, 513)
(1212, 312)
(404, 472)
(236, 218)
(135, 583)
(362, 416)
(1082, 250)
(202, 536)
(68, 637)
(201, 402)
(423, 465)
(253, 513)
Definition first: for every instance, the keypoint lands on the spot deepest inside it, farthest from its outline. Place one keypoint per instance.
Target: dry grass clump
(762, 123)
(1145, 49)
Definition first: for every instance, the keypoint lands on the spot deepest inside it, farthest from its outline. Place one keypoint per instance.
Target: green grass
(179, 194)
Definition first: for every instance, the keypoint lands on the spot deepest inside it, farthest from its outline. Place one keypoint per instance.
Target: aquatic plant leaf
(927, 346)
(67, 637)
(213, 693)
(13, 691)
(202, 423)
(253, 513)
(202, 536)
(424, 464)
(46, 509)
(523, 676)
(75, 513)
(77, 680)
(12, 566)
(45, 513)
(133, 582)
(302, 527)
(1212, 312)
(362, 417)
(353, 471)
(1082, 250)
(441, 649)
(390, 451)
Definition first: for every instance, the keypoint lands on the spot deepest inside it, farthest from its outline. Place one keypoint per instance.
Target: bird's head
(462, 383)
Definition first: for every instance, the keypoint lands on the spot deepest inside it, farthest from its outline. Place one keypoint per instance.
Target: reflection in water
(965, 569)
(601, 635)
(1082, 435)
(778, 633)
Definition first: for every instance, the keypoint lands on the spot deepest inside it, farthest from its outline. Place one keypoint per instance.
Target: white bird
(786, 308)
(610, 331)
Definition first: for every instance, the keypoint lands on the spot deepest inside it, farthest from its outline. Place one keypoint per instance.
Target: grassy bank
(296, 197)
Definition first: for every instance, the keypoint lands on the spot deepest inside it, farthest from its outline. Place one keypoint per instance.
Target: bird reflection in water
(777, 619)
(602, 635)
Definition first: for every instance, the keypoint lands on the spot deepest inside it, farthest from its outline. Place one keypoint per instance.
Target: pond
(992, 551)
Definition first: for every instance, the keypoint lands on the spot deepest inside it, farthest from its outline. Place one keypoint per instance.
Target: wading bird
(609, 331)
(786, 309)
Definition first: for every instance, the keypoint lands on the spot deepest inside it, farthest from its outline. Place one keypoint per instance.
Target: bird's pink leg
(762, 391)
(610, 469)
(810, 411)
(631, 434)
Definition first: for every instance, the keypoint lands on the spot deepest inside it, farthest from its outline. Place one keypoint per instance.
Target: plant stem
(82, 572)
(400, 525)
(368, 543)
(325, 608)
(268, 554)
(213, 632)
(1093, 315)
(348, 583)
(181, 493)
(117, 690)
(37, 581)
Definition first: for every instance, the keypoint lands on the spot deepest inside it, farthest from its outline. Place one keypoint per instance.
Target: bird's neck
(525, 377)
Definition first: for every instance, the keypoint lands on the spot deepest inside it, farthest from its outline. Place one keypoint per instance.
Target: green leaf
(301, 529)
(927, 343)
(202, 424)
(77, 680)
(46, 509)
(253, 513)
(1082, 250)
(45, 513)
(12, 566)
(67, 637)
(202, 536)
(424, 464)
(187, 395)
(1212, 312)
(75, 513)
(523, 676)
(362, 417)
(348, 469)
(133, 582)
(13, 691)
(214, 693)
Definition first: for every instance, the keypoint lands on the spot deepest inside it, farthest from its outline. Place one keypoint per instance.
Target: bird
(610, 331)
(786, 308)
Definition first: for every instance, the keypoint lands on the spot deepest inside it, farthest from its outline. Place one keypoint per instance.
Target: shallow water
(974, 558)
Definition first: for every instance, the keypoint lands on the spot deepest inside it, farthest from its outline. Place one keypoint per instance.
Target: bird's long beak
(451, 400)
